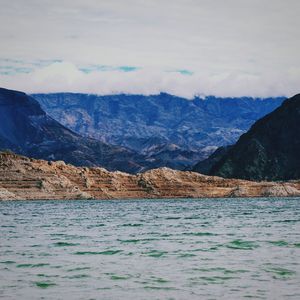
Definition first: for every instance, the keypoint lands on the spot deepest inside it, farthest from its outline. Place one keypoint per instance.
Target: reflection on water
(150, 249)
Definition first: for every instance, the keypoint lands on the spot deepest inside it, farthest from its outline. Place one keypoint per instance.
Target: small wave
(242, 245)
(217, 279)
(132, 225)
(200, 233)
(78, 269)
(130, 241)
(77, 276)
(134, 241)
(46, 276)
(65, 244)
(192, 218)
(107, 252)
(287, 221)
(44, 284)
(166, 288)
(156, 253)
(7, 262)
(159, 280)
(32, 265)
(184, 255)
(95, 225)
(119, 277)
(279, 272)
(278, 243)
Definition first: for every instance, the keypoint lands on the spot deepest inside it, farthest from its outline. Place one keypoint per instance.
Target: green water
(150, 249)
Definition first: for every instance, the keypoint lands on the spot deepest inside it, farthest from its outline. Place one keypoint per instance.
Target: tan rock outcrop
(25, 178)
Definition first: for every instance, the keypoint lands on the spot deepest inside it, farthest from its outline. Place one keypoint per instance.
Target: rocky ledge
(25, 178)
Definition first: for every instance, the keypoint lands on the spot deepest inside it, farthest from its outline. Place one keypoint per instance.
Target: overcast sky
(184, 47)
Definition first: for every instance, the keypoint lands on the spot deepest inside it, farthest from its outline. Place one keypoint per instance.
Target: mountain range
(166, 130)
(26, 129)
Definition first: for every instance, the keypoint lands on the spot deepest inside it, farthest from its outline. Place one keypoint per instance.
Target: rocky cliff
(25, 178)
(270, 150)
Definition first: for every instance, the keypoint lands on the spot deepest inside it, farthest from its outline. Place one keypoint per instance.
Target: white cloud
(232, 47)
(67, 77)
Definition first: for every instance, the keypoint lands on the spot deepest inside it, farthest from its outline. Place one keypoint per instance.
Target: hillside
(270, 150)
(26, 129)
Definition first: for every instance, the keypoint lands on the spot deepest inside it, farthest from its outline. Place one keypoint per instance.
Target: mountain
(169, 130)
(24, 178)
(270, 150)
(26, 129)
(204, 166)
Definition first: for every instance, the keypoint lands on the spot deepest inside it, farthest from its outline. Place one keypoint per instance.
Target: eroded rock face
(25, 178)
(6, 195)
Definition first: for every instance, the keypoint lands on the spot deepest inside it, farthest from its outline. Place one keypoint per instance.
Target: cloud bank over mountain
(65, 76)
(184, 47)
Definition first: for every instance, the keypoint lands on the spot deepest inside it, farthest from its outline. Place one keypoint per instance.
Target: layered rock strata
(26, 178)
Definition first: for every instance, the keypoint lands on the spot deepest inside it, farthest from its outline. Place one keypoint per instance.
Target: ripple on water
(44, 284)
(242, 245)
(186, 255)
(65, 244)
(77, 276)
(172, 218)
(78, 269)
(95, 225)
(200, 233)
(279, 272)
(132, 225)
(46, 275)
(156, 253)
(165, 288)
(279, 243)
(214, 279)
(32, 265)
(134, 241)
(221, 270)
(8, 262)
(107, 252)
(159, 280)
(119, 277)
(293, 221)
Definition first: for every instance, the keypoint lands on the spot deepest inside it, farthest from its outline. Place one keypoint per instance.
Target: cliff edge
(25, 178)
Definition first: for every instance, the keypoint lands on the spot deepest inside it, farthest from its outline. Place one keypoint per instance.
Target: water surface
(150, 249)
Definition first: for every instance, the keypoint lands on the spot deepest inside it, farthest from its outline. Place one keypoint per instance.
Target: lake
(150, 249)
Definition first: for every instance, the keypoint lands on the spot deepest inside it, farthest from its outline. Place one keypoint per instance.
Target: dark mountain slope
(270, 150)
(26, 129)
(204, 166)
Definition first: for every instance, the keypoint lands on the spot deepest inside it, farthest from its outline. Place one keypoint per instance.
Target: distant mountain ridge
(173, 131)
(270, 150)
(26, 129)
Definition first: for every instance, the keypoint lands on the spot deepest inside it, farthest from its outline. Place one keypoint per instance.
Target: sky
(182, 47)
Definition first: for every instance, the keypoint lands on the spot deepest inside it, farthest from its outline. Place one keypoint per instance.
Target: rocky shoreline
(24, 178)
